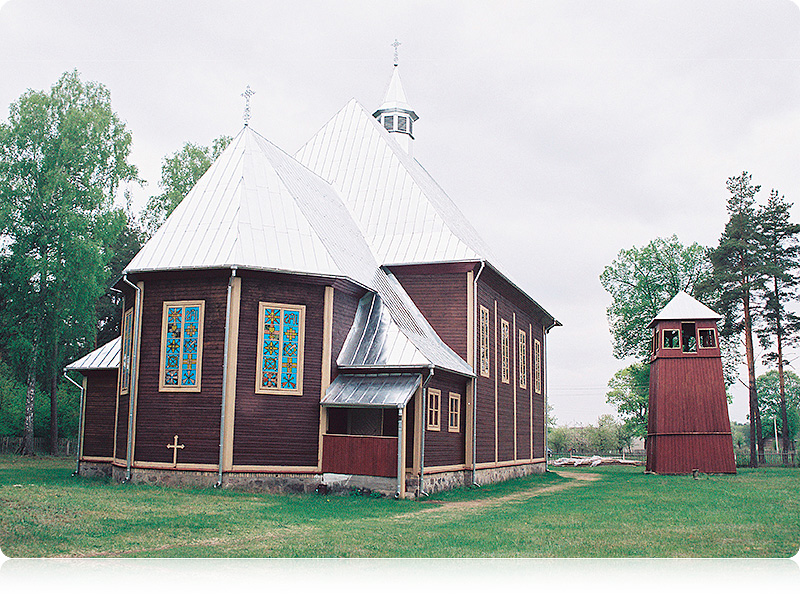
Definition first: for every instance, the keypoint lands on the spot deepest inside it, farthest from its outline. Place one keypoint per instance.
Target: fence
(41, 445)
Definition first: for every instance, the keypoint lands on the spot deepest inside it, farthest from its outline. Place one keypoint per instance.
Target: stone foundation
(308, 483)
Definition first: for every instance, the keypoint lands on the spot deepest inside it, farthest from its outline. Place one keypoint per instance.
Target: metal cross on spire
(396, 44)
(247, 94)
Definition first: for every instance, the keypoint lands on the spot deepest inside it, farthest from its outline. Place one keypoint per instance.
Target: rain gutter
(224, 377)
(80, 423)
(134, 374)
(422, 434)
(476, 331)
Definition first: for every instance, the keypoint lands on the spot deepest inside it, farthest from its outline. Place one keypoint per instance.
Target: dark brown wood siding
(688, 424)
(440, 293)
(193, 416)
(505, 303)
(368, 456)
(345, 304)
(442, 447)
(278, 430)
(99, 412)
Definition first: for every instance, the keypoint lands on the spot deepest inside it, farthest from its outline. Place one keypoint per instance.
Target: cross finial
(396, 44)
(247, 94)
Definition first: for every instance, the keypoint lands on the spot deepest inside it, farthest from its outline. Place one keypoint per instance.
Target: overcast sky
(565, 131)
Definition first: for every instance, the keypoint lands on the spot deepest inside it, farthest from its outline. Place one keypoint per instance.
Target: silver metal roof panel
(103, 358)
(372, 390)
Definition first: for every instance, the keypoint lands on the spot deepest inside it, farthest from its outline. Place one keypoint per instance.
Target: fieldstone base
(90, 469)
(308, 483)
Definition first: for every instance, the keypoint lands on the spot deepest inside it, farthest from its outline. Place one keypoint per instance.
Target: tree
(179, 173)
(641, 281)
(63, 156)
(779, 401)
(737, 273)
(629, 393)
(779, 240)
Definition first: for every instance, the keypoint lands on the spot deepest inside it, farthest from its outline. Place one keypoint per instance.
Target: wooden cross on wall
(175, 448)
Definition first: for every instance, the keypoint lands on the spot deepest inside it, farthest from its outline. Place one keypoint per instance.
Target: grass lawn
(600, 512)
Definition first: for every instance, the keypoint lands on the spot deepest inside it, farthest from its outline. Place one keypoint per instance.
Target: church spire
(395, 113)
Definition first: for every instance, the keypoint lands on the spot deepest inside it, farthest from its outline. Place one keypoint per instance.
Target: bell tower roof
(683, 307)
(396, 100)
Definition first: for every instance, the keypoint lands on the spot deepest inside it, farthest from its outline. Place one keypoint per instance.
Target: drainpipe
(224, 375)
(422, 434)
(475, 341)
(134, 373)
(80, 424)
(400, 471)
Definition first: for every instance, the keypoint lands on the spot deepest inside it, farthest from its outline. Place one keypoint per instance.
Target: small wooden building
(688, 426)
(325, 319)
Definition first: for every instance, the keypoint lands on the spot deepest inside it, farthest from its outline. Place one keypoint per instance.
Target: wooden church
(688, 427)
(321, 321)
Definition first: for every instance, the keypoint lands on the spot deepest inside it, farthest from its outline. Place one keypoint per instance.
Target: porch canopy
(388, 390)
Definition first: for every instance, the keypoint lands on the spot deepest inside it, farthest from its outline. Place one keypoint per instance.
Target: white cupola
(395, 114)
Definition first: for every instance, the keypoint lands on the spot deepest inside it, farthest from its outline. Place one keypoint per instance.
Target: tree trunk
(54, 409)
(781, 383)
(755, 422)
(30, 394)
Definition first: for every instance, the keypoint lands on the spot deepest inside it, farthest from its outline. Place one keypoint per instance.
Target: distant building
(688, 426)
(328, 318)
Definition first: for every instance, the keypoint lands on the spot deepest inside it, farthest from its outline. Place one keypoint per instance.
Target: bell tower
(687, 425)
(395, 114)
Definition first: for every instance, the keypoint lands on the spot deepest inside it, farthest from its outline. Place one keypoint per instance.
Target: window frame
(433, 415)
(452, 412)
(523, 359)
(260, 388)
(484, 355)
(537, 366)
(664, 345)
(713, 337)
(505, 351)
(180, 388)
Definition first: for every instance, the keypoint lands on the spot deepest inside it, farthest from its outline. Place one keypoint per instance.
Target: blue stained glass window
(181, 346)
(281, 341)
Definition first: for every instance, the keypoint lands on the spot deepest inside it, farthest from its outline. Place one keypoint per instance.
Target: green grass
(45, 512)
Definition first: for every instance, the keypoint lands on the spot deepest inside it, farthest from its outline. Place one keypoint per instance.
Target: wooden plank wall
(277, 430)
(99, 411)
(502, 436)
(193, 416)
(442, 447)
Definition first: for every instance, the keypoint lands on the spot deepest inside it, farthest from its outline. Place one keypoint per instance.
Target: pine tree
(778, 325)
(737, 274)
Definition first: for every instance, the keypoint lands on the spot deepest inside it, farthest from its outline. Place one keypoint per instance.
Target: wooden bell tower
(688, 426)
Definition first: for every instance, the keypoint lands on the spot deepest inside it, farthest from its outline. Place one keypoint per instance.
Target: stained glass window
(281, 348)
(504, 354)
(523, 359)
(484, 343)
(127, 344)
(182, 338)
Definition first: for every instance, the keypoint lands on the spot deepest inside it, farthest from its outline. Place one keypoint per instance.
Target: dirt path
(575, 479)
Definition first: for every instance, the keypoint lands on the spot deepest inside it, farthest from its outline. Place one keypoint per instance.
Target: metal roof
(103, 358)
(396, 97)
(402, 212)
(372, 390)
(683, 307)
(256, 207)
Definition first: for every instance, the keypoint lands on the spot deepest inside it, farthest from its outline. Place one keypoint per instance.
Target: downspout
(545, 388)
(424, 416)
(400, 470)
(80, 424)
(475, 341)
(224, 376)
(134, 374)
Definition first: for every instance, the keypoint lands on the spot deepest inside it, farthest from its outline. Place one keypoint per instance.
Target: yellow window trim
(300, 349)
(165, 308)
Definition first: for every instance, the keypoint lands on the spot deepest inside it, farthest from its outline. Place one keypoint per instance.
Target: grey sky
(565, 131)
